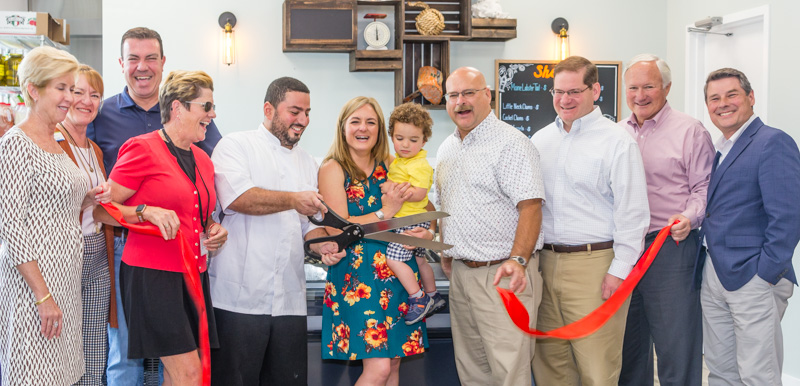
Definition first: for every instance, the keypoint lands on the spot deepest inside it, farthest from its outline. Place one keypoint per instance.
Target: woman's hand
(100, 194)
(217, 235)
(166, 220)
(394, 195)
(329, 251)
(52, 318)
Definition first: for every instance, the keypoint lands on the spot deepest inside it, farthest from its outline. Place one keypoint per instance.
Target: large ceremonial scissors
(381, 231)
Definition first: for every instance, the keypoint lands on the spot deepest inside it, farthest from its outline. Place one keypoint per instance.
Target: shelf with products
(10, 90)
(28, 42)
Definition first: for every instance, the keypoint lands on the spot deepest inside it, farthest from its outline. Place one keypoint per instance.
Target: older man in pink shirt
(665, 307)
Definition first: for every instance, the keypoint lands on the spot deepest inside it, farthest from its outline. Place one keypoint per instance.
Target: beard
(281, 131)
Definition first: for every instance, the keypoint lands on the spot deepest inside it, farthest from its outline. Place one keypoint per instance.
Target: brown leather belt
(119, 231)
(477, 264)
(579, 248)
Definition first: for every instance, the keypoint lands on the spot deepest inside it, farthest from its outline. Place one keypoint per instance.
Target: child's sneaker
(438, 304)
(418, 308)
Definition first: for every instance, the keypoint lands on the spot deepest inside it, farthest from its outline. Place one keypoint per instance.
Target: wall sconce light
(227, 42)
(560, 27)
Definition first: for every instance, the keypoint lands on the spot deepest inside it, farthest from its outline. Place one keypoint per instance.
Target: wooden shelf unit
(369, 60)
(457, 19)
(418, 53)
(410, 50)
(493, 30)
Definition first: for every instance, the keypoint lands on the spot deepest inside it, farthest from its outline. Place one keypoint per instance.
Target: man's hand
(680, 231)
(610, 285)
(308, 203)
(516, 272)
(418, 232)
(447, 266)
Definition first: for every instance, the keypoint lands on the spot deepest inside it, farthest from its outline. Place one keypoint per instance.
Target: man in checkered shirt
(488, 179)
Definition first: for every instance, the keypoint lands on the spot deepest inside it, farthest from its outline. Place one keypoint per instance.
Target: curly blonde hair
(412, 114)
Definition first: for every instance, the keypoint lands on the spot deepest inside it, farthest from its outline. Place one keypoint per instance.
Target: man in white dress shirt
(266, 186)
(594, 225)
(487, 177)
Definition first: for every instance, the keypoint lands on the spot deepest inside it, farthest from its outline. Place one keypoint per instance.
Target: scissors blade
(408, 240)
(394, 223)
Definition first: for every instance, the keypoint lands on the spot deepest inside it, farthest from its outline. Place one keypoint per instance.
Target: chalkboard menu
(523, 92)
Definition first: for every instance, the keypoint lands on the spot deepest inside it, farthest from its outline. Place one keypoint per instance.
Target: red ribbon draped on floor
(191, 277)
(597, 318)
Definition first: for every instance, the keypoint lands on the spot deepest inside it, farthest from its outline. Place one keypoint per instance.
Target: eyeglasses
(207, 106)
(570, 93)
(467, 94)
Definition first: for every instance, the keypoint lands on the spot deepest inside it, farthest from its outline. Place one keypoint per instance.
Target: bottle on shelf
(2, 67)
(12, 63)
(20, 110)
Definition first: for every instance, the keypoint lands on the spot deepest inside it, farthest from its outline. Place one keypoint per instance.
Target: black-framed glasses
(570, 93)
(467, 94)
(207, 106)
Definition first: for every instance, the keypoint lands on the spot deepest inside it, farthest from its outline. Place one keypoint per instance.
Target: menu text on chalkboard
(523, 92)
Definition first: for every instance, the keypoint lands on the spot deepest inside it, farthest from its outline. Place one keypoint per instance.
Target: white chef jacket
(259, 270)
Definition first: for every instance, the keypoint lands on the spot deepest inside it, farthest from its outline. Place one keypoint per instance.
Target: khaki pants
(489, 348)
(572, 284)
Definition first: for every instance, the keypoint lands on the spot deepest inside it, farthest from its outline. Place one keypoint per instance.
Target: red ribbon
(191, 276)
(597, 318)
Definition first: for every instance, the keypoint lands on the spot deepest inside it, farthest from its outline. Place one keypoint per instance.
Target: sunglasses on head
(207, 106)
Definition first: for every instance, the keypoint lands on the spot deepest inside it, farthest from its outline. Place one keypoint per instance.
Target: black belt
(579, 248)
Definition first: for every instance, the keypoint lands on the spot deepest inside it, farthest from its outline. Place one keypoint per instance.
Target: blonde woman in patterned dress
(364, 303)
(42, 248)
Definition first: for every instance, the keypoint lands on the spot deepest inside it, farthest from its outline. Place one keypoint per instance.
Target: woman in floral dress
(364, 302)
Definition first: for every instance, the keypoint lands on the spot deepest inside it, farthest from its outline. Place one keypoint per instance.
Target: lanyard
(184, 167)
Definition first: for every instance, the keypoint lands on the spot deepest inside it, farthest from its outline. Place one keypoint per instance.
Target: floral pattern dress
(364, 303)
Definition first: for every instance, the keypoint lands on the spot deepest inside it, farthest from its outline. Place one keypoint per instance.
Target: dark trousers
(259, 350)
(665, 313)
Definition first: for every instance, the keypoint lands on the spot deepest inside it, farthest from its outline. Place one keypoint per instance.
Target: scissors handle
(330, 219)
(351, 233)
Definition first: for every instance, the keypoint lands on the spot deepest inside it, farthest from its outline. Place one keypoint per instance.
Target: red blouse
(146, 166)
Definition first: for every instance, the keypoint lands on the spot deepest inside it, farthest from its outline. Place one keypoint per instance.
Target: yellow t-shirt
(416, 171)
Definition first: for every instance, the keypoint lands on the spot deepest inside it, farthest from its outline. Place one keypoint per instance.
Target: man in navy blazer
(751, 229)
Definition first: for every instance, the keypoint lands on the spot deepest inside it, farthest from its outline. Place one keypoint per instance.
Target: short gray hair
(663, 67)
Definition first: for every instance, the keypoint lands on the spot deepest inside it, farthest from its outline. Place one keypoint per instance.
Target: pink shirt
(677, 153)
(146, 166)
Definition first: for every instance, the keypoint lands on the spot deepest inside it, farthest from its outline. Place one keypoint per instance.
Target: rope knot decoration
(430, 21)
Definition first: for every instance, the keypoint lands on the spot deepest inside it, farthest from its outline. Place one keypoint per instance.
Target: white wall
(784, 56)
(611, 30)
(14, 5)
(190, 34)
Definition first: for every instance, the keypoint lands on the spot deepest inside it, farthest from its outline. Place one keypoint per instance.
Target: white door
(746, 49)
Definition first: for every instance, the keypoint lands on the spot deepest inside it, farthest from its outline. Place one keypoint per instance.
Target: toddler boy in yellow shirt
(409, 128)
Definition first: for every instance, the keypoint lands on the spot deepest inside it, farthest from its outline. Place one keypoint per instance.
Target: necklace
(84, 161)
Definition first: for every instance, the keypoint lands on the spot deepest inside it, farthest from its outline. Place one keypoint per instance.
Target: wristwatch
(140, 212)
(519, 259)
(379, 213)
